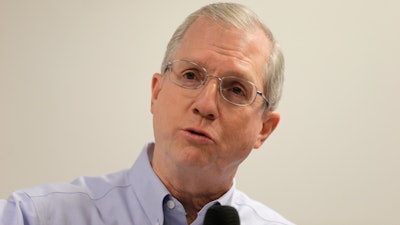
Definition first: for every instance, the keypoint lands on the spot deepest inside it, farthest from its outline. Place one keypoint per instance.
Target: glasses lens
(187, 74)
(237, 90)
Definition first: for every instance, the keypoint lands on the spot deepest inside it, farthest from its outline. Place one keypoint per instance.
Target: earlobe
(270, 122)
(156, 85)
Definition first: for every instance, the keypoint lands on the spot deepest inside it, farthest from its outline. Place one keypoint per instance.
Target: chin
(194, 157)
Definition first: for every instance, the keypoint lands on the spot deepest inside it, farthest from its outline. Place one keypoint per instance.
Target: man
(212, 103)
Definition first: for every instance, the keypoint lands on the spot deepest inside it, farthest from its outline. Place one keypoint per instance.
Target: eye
(190, 75)
(237, 90)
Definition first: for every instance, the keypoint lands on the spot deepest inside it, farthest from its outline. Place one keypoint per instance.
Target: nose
(205, 103)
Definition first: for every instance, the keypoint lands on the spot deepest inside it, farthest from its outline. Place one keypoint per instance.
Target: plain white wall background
(75, 96)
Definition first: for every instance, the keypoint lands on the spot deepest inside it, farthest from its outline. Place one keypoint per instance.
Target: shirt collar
(225, 199)
(148, 188)
(151, 192)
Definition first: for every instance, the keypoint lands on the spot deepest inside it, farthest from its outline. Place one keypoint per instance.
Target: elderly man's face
(197, 128)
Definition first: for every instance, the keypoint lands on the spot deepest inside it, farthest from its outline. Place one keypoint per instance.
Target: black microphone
(221, 215)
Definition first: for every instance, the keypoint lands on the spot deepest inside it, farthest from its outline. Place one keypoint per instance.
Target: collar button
(170, 204)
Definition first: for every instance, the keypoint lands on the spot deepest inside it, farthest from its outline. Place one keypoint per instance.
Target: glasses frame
(169, 65)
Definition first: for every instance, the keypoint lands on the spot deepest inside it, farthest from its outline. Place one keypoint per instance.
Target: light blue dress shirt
(130, 197)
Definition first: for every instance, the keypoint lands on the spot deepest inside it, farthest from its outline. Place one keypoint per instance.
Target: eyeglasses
(235, 90)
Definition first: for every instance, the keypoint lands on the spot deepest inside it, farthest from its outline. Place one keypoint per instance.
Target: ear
(156, 86)
(270, 122)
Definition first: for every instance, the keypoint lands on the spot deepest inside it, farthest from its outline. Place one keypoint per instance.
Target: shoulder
(92, 187)
(254, 212)
(76, 201)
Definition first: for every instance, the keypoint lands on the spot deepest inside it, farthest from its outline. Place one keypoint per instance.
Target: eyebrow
(230, 72)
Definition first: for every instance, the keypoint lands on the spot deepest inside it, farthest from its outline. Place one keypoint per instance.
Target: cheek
(161, 111)
(242, 132)
(164, 102)
(167, 110)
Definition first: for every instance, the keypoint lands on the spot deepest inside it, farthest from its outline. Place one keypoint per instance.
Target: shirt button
(171, 204)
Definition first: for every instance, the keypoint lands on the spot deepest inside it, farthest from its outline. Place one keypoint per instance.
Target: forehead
(226, 49)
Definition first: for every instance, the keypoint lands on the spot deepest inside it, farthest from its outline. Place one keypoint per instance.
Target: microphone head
(221, 215)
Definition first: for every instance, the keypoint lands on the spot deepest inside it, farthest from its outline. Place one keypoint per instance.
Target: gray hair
(242, 18)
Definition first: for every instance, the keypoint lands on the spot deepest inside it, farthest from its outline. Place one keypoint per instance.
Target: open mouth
(200, 134)
(197, 133)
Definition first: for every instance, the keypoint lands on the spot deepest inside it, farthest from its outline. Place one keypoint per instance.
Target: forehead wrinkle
(222, 49)
(249, 52)
(238, 63)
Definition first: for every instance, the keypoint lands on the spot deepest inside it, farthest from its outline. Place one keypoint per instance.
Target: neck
(193, 199)
(193, 202)
(192, 187)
